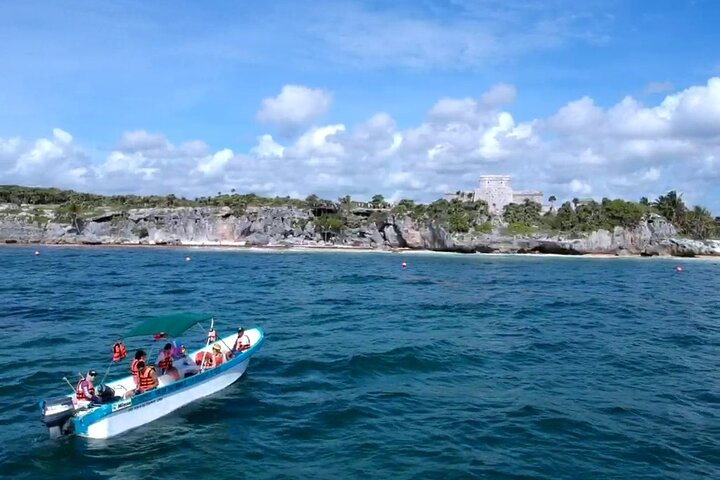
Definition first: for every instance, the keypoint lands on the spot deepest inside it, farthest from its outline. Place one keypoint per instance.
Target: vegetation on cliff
(332, 217)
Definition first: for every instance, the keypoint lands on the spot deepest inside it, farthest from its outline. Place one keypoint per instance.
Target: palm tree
(575, 202)
(699, 223)
(672, 207)
(552, 199)
(70, 212)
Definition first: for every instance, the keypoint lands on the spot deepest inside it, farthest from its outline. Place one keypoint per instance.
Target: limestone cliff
(287, 226)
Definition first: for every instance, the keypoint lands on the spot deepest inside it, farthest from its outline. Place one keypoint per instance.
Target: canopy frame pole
(107, 370)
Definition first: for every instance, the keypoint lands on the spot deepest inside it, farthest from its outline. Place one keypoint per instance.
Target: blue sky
(380, 97)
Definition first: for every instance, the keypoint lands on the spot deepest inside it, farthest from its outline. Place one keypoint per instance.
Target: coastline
(242, 246)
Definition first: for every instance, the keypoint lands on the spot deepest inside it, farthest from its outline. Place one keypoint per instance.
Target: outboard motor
(57, 415)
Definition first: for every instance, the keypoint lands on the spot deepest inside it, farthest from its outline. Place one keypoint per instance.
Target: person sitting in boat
(209, 359)
(173, 373)
(85, 390)
(147, 377)
(179, 351)
(242, 342)
(164, 360)
(217, 357)
(140, 355)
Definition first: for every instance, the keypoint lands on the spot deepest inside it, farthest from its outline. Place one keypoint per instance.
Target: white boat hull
(133, 417)
(126, 414)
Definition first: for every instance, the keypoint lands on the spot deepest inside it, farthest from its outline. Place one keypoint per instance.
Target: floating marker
(404, 265)
(678, 269)
(37, 253)
(187, 259)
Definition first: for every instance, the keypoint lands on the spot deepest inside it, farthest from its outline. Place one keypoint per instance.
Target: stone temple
(497, 191)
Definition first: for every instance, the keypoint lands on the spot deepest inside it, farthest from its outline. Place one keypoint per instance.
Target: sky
(408, 99)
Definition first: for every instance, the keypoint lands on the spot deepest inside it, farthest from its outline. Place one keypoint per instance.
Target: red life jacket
(79, 394)
(119, 352)
(204, 358)
(166, 362)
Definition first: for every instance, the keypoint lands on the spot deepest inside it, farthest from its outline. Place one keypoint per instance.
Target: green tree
(526, 213)
(552, 199)
(71, 213)
(623, 213)
(377, 201)
(312, 200)
(700, 223)
(672, 207)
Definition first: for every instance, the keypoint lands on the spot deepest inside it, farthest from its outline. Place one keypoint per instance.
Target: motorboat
(122, 408)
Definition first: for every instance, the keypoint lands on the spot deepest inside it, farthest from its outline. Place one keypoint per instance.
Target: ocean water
(460, 366)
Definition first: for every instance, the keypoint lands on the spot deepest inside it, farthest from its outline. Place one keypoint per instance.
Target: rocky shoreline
(288, 227)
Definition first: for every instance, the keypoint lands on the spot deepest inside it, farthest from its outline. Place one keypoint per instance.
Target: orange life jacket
(146, 380)
(119, 351)
(204, 358)
(134, 371)
(79, 394)
(218, 357)
(166, 362)
(239, 346)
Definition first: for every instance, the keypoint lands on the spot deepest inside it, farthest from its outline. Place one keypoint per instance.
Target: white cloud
(267, 147)
(215, 165)
(627, 149)
(155, 145)
(580, 187)
(294, 107)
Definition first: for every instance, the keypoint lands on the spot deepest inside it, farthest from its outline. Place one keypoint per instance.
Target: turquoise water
(457, 367)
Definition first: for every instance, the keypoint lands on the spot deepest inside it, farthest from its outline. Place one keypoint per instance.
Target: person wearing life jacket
(178, 351)
(242, 342)
(140, 356)
(85, 390)
(217, 356)
(147, 377)
(164, 360)
(118, 351)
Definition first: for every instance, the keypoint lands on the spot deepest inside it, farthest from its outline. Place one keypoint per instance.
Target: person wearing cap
(242, 342)
(85, 390)
(147, 377)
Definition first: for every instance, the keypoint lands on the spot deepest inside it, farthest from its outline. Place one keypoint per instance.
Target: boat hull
(123, 415)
